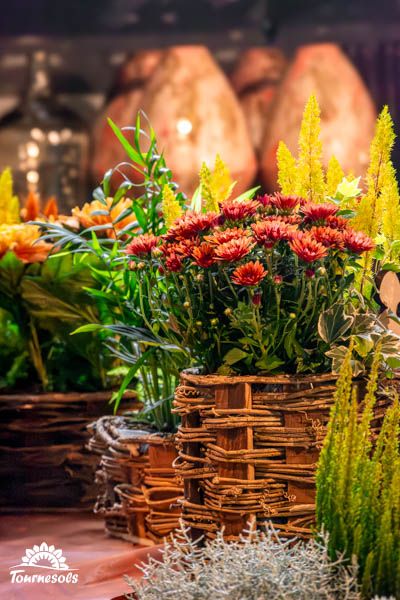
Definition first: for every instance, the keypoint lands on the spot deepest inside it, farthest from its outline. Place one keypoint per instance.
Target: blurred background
(227, 76)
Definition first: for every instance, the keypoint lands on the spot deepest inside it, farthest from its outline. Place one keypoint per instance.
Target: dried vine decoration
(248, 448)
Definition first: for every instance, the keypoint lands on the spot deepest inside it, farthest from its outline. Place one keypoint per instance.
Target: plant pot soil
(44, 463)
(248, 448)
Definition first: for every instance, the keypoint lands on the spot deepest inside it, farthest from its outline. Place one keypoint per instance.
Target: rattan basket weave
(248, 448)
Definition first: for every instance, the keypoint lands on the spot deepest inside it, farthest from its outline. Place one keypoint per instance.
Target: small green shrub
(358, 486)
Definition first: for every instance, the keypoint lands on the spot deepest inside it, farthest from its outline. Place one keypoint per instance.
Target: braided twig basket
(248, 448)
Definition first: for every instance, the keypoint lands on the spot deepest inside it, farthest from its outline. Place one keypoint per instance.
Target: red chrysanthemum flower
(173, 262)
(357, 241)
(337, 223)
(142, 244)
(190, 225)
(271, 231)
(204, 255)
(234, 250)
(237, 211)
(249, 274)
(327, 236)
(307, 248)
(265, 200)
(222, 236)
(318, 212)
(285, 203)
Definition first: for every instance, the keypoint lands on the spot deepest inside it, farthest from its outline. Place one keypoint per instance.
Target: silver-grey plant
(259, 567)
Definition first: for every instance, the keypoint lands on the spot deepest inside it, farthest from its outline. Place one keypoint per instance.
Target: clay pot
(195, 115)
(255, 79)
(122, 108)
(347, 111)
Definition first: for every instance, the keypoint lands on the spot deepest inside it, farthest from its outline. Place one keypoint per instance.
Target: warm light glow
(37, 134)
(32, 176)
(54, 137)
(32, 150)
(184, 126)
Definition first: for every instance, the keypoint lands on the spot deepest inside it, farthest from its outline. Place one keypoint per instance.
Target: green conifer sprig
(358, 483)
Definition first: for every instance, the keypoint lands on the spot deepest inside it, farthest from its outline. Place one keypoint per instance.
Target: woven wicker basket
(137, 488)
(44, 464)
(248, 448)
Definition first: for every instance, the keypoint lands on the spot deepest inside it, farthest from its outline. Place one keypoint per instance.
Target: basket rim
(194, 376)
(62, 397)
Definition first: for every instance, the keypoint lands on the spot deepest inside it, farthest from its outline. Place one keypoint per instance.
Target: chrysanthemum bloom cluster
(261, 270)
(24, 241)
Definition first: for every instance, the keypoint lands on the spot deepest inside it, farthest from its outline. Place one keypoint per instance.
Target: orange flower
(234, 250)
(237, 211)
(357, 241)
(307, 248)
(249, 274)
(221, 236)
(173, 262)
(204, 255)
(31, 210)
(337, 223)
(190, 225)
(142, 244)
(24, 241)
(97, 213)
(271, 231)
(327, 236)
(50, 210)
(318, 212)
(285, 203)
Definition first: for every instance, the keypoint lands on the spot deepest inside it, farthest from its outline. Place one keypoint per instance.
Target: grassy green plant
(358, 482)
(99, 234)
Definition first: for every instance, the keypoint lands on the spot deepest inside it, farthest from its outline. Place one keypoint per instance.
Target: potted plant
(136, 475)
(265, 296)
(51, 386)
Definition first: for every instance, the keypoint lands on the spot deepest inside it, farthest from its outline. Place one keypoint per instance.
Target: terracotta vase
(195, 115)
(122, 108)
(347, 111)
(256, 78)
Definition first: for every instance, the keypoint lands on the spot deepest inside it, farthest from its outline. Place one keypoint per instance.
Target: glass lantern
(45, 144)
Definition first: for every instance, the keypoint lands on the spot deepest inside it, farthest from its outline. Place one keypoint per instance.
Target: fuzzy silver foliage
(259, 567)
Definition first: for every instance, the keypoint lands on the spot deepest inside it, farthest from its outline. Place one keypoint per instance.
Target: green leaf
(131, 152)
(247, 195)
(234, 355)
(333, 324)
(269, 363)
(195, 204)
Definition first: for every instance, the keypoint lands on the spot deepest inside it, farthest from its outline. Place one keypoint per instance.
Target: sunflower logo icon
(45, 557)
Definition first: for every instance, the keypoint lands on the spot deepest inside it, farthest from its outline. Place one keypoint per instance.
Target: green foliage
(358, 500)
(13, 352)
(45, 303)
(123, 319)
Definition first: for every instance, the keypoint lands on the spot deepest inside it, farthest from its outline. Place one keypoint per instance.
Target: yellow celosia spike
(369, 215)
(221, 181)
(310, 176)
(287, 171)
(9, 204)
(216, 186)
(209, 203)
(171, 208)
(334, 176)
(391, 215)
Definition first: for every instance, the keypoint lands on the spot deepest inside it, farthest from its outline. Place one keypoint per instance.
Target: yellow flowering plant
(41, 302)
